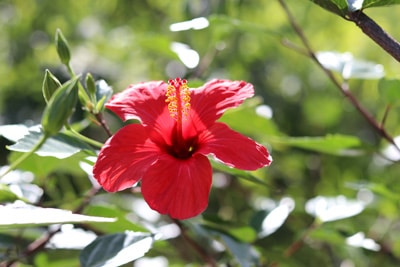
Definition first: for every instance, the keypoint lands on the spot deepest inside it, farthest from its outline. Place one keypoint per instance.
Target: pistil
(178, 99)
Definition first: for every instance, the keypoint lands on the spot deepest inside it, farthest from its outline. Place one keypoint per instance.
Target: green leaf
(244, 253)
(60, 146)
(338, 7)
(247, 175)
(41, 166)
(114, 212)
(240, 233)
(343, 7)
(340, 145)
(389, 89)
(13, 215)
(349, 67)
(116, 249)
(6, 195)
(259, 127)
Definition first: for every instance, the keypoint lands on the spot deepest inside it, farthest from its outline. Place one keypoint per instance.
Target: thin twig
(343, 87)
(103, 124)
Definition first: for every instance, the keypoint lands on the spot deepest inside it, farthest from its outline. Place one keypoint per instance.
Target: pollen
(178, 99)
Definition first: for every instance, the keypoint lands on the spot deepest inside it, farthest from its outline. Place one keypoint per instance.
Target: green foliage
(116, 249)
(329, 198)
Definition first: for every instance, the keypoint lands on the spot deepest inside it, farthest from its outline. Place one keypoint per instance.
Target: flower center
(178, 99)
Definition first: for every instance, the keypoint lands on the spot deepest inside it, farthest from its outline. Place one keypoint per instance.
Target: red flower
(168, 150)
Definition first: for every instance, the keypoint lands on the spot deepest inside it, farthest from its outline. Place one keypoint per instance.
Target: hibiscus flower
(167, 151)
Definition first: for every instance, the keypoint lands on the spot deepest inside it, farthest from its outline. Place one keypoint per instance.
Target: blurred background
(125, 42)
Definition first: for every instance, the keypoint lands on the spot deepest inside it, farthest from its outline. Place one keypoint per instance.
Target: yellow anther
(178, 99)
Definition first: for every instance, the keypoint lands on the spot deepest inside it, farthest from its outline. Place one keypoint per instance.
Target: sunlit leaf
(116, 249)
(359, 240)
(15, 215)
(14, 132)
(276, 217)
(113, 212)
(60, 146)
(327, 209)
(71, 238)
(42, 166)
(331, 144)
(349, 67)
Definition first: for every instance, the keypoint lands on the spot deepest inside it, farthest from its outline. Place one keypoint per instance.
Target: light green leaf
(116, 249)
(341, 145)
(22, 215)
(42, 166)
(60, 146)
(114, 212)
(6, 195)
(389, 89)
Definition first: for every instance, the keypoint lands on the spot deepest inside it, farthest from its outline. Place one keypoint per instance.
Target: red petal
(233, 148)
(179, 188)
(210, 101)
(145, 102)
(124, 158)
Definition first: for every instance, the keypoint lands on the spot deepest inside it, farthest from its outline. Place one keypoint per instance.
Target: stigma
(178, 99)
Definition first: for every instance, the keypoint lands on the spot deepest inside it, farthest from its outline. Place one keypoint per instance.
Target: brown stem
(376, 33)
(203, 254)
(103, 124)
(343, 87)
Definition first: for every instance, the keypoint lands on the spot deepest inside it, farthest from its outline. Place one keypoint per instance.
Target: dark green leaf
(250, 176)
(244, 253)
(116, 249)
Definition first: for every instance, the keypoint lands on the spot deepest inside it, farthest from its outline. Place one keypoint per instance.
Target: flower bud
(91, 86)
(62, 48)
(50, 85)
(60, 107)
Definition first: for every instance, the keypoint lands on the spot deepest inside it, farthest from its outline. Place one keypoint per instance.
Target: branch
(343, 87)
(376, 33)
